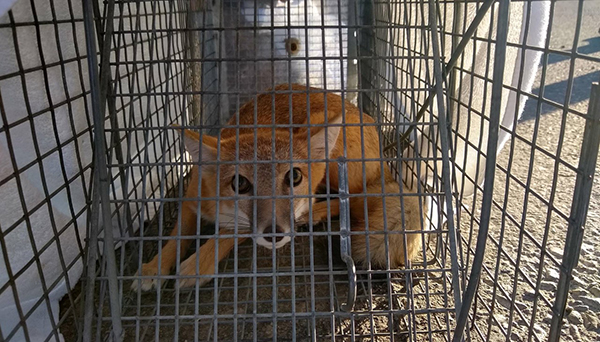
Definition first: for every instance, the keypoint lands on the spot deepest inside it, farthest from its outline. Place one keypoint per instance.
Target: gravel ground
(542, 242)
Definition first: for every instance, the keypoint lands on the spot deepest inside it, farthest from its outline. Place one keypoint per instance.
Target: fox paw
(188, 268)
(147, 284)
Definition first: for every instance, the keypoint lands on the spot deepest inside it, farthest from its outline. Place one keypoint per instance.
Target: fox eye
(294, 176)
(242, 185)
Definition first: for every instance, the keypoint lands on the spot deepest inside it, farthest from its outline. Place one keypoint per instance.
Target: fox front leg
(168, 253)
(206, 261)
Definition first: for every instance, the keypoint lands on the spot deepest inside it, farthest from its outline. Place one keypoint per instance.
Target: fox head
(268, 175)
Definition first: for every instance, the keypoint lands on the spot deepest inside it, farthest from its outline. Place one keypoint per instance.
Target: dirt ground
(529, 235)
(549, 226)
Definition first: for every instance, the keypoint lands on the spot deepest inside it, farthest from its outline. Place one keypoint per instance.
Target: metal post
(352, 78)
(445, 148)
(490, 167)
(92, 258)
(579, 208)
(345, 243)
(100, 168)
(195, 67)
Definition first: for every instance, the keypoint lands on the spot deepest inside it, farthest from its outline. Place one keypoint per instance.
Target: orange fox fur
(362, 142)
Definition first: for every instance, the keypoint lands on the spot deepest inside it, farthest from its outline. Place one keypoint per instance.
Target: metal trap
(481, 115)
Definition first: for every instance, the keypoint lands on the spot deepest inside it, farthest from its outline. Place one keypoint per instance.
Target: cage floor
(300, 297)
(295, 292)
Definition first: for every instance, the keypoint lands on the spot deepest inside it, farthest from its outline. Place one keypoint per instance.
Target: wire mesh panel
(301, 290)
(45, 167)
(543, 180)
(144, 84)
(46, 152)
(299, 170)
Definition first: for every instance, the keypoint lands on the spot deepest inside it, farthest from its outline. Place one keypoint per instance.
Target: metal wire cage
(485, 118)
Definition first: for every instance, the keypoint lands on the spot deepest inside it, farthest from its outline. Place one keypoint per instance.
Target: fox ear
(324, 141)
(207, 150)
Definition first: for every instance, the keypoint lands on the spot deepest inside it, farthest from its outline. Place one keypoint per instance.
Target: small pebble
(568, 310)
(548, 286)
(595, 290)
(506, 303)
(557, 252)
(581, 308)
(586, 249)
(552, 274)
(590, 321)
(575, 317)
(593, 303)
(503, 302)
(488, 281)
(540, 331)
(584, 269)
(574, 330)
(529, 296)
(501, 320)
(578, 281)
(588, 263)
(579, 293)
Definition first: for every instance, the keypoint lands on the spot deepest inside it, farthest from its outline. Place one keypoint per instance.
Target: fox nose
(277, 229)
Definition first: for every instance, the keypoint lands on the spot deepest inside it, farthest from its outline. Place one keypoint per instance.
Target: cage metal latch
(345, 243)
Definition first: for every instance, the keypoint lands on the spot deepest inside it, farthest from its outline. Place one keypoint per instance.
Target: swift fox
(265, 179)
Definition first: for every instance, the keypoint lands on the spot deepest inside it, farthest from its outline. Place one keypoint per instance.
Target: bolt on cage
(460, 108)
